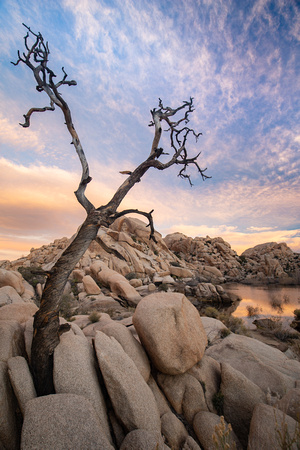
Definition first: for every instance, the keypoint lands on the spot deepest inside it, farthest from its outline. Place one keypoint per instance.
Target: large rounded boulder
(171, 331)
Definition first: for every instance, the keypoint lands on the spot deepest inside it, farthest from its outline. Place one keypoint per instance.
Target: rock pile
(120, 267)
(213, 257)
(139, 369)
(271, 261)
(150, 381)
(262, 264)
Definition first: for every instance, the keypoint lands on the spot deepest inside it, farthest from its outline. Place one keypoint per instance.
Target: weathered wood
(46, 320)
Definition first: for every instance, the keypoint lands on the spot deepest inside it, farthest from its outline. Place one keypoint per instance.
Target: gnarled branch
(27, 116)
(178, 138)
(143, 213)
(36, 59)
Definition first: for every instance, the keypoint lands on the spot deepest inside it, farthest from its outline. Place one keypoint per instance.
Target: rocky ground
(140, 369)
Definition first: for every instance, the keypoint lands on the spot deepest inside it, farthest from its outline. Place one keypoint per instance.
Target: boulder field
(139, 368)
(122, 266)
(149, 381)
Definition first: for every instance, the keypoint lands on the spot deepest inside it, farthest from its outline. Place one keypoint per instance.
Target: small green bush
(163, 287)
(218, 402)
(253, 311)
(178, 255)
(210, 311)
(94, 316)
(66, 304)
(224, 333)
(130, 276)
(33, 275)
(74, 287)
(235, 324)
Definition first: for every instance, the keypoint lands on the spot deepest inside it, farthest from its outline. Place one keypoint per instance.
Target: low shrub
(253, 311)
(285, 335)
(163, 287)
(74, 287)
(130, 276)
(66, 306)
(210, 311)
(222, 437)
(235, 324)
(33, 275)
(218, 402)
(94, 316)
(224, 333)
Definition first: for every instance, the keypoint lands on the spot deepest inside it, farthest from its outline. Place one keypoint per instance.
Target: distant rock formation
(205, 254)
(166, 374)
(122, 266)
(271, 261)
(262, 264)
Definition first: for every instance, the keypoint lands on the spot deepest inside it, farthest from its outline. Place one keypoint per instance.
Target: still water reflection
(279, 301)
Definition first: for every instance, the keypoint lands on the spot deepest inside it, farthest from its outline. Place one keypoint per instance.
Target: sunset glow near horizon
(239, 60)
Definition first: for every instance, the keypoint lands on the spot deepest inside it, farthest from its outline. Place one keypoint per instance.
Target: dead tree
(46, 321)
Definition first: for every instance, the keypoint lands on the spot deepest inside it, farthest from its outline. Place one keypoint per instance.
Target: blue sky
(240, 60)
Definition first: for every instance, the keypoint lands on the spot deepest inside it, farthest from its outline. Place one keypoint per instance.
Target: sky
(238, 59)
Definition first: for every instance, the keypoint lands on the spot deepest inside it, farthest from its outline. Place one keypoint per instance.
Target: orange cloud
(38, 205)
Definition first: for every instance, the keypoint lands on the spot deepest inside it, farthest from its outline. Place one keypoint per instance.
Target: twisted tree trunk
(46, 320)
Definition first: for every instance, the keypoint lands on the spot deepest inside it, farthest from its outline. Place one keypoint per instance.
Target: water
(268, 301)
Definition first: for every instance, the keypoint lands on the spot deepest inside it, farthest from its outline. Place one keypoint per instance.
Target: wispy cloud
(240, 64)
(13, 135)
(260, 229)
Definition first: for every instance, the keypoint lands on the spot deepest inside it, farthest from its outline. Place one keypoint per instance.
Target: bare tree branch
(145, 214)
(178, 138)
(36, 59)
(27, 116)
